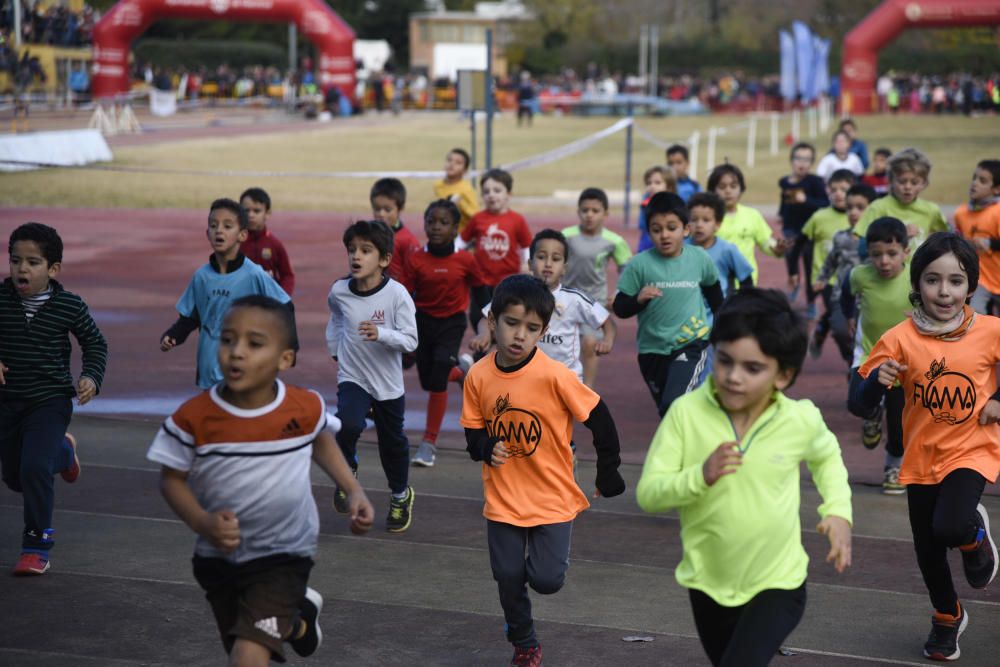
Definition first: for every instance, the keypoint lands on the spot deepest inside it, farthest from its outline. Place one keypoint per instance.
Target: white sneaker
(465, 362)
(424, 456)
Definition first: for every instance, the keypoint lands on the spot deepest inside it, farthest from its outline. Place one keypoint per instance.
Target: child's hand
(780, 245)
(167, 343)
(368, 331)
(361, 511)
(982, 243)
(86, 389)
(3, 369)
(838, 530)
(725, 460)
(221, 529)
(793, 281)
(912, 230)
(888, 372)
(648, 293)
(990, 413)
(500, 454)
(603, 347)
(819, 286)
(481, 343)
(525, 268)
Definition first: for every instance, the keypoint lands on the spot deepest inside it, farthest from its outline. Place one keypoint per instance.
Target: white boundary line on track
(77, 656)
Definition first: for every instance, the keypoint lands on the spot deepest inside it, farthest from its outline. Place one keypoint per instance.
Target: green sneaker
(400, 512)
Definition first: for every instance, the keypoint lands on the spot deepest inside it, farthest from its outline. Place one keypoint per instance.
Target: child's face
(366, 264)
(702, 225)
(802, 160)
(440, 228)
(679, 164)
(29, 270)
(252, 349)
(983, 186)
(495, 196)
(837, 192)
(745, 377)
(667, 233)
(656, 183)
(944, 286)
(856, 206)
(454, 166)
(549, 262)
(592, 215)
(517, 332)
(257, 213)
(841, 144)
(888, 258)
(906, 186)
(224, 233)
(879, 163)
(386, 210)
(729, 189)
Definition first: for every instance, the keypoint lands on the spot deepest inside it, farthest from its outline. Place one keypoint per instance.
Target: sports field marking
(75, 656)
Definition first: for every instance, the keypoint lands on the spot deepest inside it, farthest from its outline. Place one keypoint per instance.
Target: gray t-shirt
(586, 270)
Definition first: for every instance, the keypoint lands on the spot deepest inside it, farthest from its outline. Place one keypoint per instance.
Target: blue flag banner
(789, 87)
(821, 65)
(804, 60)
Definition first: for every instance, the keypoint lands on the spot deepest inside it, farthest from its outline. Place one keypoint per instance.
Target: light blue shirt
(208, 297)
(729, 262)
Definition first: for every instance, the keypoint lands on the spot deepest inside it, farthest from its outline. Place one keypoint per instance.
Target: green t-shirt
(671, 321)
(925, 215)
(821, 227)
(884, 303)
(742, 535)
(746, 227)
(588, 260)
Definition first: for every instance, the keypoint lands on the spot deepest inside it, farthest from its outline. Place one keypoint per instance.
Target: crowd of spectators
(55, 24)
(955, 93)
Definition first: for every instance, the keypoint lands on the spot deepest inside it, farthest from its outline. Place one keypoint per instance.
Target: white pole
(774, 134)
(17, 23)
(654, 58)
(693, 142)
(811, 117)
(710, 157)
(796, 124)
(752, 141)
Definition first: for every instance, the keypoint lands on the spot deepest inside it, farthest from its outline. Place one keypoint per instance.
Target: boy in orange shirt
(978, 221)
(944, 357)
(518, 410)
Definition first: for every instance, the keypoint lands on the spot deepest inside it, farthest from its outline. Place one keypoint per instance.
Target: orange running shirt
(946, 386)
(984, 223)
(532, 409)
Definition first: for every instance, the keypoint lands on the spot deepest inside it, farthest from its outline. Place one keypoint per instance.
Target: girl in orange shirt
(944, 356)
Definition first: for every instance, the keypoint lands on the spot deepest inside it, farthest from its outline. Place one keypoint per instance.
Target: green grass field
(419, 142)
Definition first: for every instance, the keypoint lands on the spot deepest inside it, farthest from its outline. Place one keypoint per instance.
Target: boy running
(36, 382)
(235, 468)
(518, 411)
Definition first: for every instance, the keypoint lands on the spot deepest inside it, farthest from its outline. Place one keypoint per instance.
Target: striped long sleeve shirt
(37, 351)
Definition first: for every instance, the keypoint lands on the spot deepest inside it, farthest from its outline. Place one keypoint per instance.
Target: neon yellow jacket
(742, 535)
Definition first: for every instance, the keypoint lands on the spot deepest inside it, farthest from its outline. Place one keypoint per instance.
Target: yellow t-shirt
(821, 228)
(532, 409)
(746, 227)
(468, 202)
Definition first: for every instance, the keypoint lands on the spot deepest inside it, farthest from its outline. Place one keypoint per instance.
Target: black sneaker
(309, 610)
(400, 512)
(942, 642)
(871, 431)
(980, 563)
(340, 502)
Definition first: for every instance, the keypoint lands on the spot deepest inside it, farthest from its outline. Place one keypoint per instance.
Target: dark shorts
(257, 600)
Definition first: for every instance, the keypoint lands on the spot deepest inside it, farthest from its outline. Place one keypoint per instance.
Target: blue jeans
(353, 404)
(33, 448)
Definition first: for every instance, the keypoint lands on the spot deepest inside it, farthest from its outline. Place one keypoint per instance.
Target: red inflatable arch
(862, 44)
(128, 19)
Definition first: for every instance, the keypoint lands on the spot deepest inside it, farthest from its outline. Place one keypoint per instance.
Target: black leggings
(439, 340)
(751, 634)
(942, 517)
